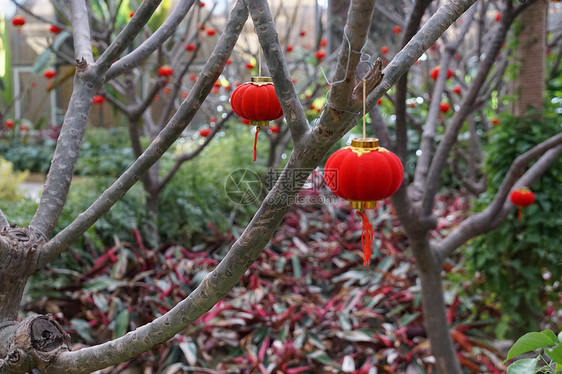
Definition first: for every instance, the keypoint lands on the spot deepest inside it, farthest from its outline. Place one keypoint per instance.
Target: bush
(35, 158)
(520, 260)
(9, 181)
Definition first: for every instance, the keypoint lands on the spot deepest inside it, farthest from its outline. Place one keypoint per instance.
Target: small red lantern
(18, 22)
(444, 107)
(250, 65)
(211, 32)
(457, 90)
(495, 121)
(289, 48)
(98, 99)
(165, 71)
(364, 173)
(50, 74)
(521, 198)
(435, 72)
(320, 55)
(205, 132)
(384, 49)
(190, 47)
(323, 42)
(302, 33)
(9, 124)
(397, 30)
(274, 129)
(131, 14)
(24, 128)
(256, 101)
(55, 29)
(498, 16)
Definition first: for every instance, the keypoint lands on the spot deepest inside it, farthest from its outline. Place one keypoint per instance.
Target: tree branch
(427, 145)
(163, 141)
(466, 106)
(81, 32)
(496, 212)
(63, 164)
(273, 53)
(189, 156)
(131, 30)
(147, 47)
(3, 220)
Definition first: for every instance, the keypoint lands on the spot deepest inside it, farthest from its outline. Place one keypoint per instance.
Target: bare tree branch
(3, 220)
(69, 142)
(466, 107)
(131, 30)
(191, 155)
(153, 42)
(163, 141)
(273, 53)
(81, 32)
(495, 213)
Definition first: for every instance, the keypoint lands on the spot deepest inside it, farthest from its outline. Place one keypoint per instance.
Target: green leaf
(524, 366)
(531, 341)
(555, 353)
(551, 335)
(121, 323)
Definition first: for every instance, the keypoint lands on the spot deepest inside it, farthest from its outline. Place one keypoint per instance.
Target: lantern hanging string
(256, 142)
(259, 61)
(364, 110)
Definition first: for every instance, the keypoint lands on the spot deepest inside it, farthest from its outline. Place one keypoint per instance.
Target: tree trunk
(530, 56)
(434, 308)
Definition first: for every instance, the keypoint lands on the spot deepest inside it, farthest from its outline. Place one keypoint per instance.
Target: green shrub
(520, 261)
(35, 158)
(9, 181)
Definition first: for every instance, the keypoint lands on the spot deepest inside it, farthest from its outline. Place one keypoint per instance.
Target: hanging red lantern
(444, 107)
(364, 173)
(98, 99)
(55, 29)
(495, 121)
(190, 47)
(165, 71)
(50, 74)
(256, 101)
(205, 132)
(320, 55)
(18, 22)
(521, 198)
(397, 30)
(274, 129)
(457, 90)
(435, 72)
(384, 50)
(9, 124)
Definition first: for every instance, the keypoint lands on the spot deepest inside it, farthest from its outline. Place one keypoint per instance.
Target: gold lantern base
(362, 205)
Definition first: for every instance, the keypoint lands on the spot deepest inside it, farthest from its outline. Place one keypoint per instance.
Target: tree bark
(529, 87)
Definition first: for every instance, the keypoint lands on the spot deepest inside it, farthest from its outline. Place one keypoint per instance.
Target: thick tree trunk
(434, 308)
(530, 56)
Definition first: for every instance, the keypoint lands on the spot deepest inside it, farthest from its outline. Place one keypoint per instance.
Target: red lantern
(256, 101)
(98, 99)
(165, 71)
(18, 22)
(320, 55)
(495, 121)
(50, 74)
(397, 30)
(190, 47)
(457, 90)
(384, 50)
(211, 32)
(205, 132)
(521, 198)
(274, 129)
(289, 48)
(435, 73)
(55, 29)
(498, 17)
(444, 107)
(364, 173)
(9, 124)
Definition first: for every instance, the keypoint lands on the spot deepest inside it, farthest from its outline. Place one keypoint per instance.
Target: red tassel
(519, 214)
(366, 238)
(256, 141)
